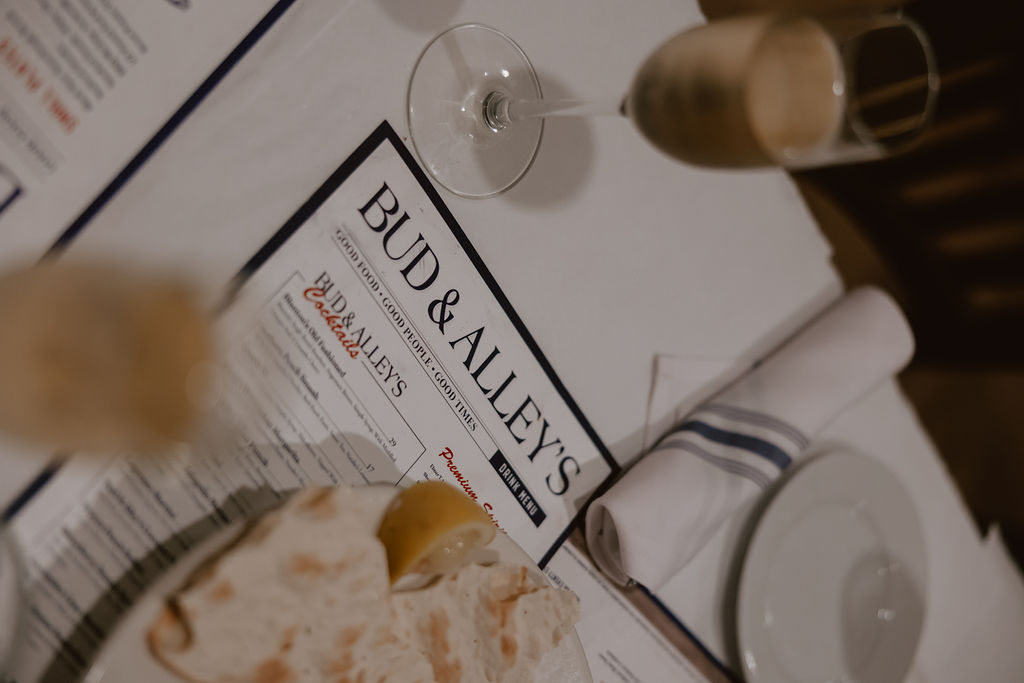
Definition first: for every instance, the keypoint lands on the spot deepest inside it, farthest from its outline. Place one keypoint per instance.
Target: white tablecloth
(610, 252)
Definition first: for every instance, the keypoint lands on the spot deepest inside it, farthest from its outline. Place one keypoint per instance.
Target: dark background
(941, 227)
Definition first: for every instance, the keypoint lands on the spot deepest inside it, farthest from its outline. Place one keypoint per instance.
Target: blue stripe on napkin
(760, 420)
(736, 467)
(745, 442)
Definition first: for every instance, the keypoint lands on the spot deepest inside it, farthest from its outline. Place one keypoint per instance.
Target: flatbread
(489, 623)
(304, 597)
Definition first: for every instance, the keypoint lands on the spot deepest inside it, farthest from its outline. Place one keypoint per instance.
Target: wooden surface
(942, 228)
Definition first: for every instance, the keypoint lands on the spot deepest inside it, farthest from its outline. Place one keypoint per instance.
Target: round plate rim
(752, 551)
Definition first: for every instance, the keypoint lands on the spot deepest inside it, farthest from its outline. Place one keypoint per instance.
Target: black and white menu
(90, 88)
(366, 342)
(371, 324)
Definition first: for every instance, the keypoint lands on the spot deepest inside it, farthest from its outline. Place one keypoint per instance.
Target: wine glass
(790, 90)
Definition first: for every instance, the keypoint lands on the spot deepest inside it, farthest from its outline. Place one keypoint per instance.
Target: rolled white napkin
(649, 524)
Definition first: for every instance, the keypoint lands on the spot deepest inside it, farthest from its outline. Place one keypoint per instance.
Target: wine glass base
(451, 80)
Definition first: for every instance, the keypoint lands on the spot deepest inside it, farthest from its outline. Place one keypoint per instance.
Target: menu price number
(22, 69)
(387, 444)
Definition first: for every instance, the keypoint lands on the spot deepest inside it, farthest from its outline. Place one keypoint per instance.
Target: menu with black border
(89, 89)
(365, 342)
(374, 287)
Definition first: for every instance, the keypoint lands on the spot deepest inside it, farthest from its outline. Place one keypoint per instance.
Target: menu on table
(365, 342)
(90, 88)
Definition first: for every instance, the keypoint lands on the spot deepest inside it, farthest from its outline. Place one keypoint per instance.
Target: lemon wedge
(430, 527)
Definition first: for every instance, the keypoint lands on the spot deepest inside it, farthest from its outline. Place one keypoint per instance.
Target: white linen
(979, 639)
(728, 451)
(702, 264)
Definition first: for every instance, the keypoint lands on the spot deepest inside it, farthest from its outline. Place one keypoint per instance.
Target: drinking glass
(791, 90)
(101, 357)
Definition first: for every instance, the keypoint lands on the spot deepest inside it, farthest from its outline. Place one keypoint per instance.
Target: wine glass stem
(500, 110)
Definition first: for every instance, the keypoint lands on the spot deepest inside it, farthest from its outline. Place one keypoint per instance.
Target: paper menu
(383, 294)
(88, 88)
(366, 342)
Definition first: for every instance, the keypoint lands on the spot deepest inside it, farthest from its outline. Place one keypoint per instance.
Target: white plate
(832, 588)
(125, 658)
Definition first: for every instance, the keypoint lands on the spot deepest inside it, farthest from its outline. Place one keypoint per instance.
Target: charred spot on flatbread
(447, 669)
(288, 638)
(272, 670)
(170, 633)
(318, 504)
(221, 591)
(509, 647)
(306, 564)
